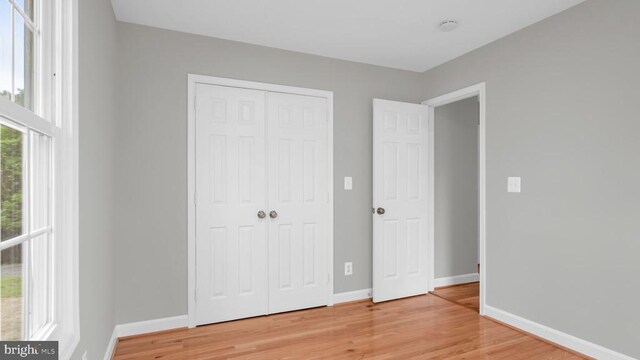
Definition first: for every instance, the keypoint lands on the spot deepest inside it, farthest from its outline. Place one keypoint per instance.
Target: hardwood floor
(422, 327)
(467, 295)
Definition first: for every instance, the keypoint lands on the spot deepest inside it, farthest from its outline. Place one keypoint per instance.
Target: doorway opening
(457, 260)
(457, 197)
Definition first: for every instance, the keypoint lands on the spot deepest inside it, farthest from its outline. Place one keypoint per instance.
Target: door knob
(380, 211)
(261, 214)
(273, 214)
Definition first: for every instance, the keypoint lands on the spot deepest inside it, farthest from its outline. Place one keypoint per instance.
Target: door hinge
(195, 199)
(328, 278)
(195, 294)
(195, 101)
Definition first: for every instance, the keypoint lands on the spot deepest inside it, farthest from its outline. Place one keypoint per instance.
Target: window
(18, 36)
(25, 227)
(26, 271)
(38, 171)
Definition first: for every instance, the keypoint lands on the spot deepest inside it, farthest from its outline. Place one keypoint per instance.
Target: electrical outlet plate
(348, 268)
(348, 183)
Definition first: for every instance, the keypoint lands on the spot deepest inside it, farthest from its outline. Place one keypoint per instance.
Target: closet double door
(262, 206)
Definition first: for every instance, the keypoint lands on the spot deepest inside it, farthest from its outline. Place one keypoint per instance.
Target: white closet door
(400, 190)
(298, 196)
(231, 248)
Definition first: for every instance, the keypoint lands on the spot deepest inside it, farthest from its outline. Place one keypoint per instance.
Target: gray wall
(151, 181)
(563, 113)
(97, 76)
(456, 188)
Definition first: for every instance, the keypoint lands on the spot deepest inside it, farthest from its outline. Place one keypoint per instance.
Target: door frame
(192, 81)
(478, 90)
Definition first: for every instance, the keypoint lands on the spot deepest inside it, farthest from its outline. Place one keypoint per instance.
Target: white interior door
(298, 198)
(231, 243)
(400, 190)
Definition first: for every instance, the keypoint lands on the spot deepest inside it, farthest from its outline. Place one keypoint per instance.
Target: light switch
(348, 183)
(514, 184)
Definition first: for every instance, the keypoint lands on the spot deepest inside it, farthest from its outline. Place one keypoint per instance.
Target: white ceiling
(400, 34)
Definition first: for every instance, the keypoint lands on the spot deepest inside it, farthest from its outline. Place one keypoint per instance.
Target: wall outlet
(348, 183)
(348, 268)
(84, 356)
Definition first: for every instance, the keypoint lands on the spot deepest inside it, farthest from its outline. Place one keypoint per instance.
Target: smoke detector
(448, 25)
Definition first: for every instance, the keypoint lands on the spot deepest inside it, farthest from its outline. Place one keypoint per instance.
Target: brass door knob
(273, 214)
(261, 214)
(380, 211)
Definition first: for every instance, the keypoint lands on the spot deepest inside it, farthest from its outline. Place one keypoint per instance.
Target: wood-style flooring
(422, 327)
(466, 295)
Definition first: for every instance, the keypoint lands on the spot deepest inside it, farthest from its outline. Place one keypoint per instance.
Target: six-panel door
(231, 240)
(400, 190)
(298, 192)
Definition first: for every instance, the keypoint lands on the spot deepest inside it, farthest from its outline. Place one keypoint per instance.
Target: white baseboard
(149, 326)
(143, 327)
(111, 347)
(555, 336)
(352, 296)
(456, 280)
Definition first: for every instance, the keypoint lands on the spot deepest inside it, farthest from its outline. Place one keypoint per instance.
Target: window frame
(56, 115)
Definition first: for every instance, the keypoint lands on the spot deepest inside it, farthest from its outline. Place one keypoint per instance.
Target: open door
(400, 199)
